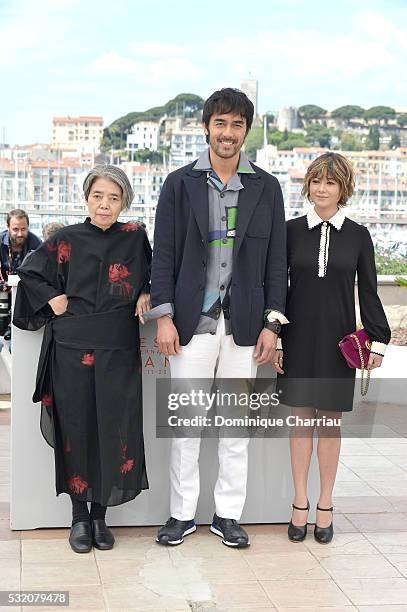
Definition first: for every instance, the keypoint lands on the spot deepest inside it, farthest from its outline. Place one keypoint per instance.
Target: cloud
(159, 67)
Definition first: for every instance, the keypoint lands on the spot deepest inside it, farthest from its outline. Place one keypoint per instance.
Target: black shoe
(173, 531)
(80, 537)
(324, 535)
(230, 531)
(103, 538)
(297, 533)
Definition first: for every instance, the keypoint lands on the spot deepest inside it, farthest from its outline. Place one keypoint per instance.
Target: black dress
(89, 374)
(321, 311)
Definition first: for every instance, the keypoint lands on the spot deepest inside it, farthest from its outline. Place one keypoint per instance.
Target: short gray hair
(112, 173)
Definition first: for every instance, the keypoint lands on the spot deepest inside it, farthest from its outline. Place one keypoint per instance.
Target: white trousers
(210, 356)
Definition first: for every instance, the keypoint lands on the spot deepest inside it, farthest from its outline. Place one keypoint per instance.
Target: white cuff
(275, 315)
(279, 346)
(378, 348)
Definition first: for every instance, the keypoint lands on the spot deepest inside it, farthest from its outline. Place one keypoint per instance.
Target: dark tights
(80, 511)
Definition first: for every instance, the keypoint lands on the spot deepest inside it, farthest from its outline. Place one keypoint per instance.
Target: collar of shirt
(313, 219)
(234, 183)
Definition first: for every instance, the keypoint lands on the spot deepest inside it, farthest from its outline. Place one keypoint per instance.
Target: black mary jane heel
(324, 535)
(297, 533)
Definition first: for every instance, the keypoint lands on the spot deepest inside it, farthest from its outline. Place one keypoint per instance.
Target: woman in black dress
(325, 252)
(88, 282)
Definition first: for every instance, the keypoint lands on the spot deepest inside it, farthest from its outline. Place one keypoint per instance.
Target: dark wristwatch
(274, 326)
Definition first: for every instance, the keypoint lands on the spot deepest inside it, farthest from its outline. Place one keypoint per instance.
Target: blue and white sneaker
(230, 531)
(173, 532)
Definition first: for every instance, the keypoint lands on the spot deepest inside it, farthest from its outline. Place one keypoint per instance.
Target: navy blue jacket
(30, 244)
(259, 271)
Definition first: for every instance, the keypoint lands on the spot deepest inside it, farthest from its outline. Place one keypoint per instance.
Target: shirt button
(224, 264)
(222, 287)
(222, 195)
(224, 240)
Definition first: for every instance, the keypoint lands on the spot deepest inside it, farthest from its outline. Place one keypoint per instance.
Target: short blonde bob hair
(334, 166)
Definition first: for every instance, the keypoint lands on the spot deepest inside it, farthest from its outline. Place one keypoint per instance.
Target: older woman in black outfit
(326, 250)
(85, 282)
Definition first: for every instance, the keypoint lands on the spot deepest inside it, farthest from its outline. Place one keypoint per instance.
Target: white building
(288, 119)
(251, 88)
(187, 142)
(144, 135)
(146, 181)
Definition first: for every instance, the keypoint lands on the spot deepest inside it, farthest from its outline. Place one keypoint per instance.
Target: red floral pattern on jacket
(117, 273)
(88, 359)
(127, 466)
(77, 484)
(130, 227)
(64, 252)
(46, 400)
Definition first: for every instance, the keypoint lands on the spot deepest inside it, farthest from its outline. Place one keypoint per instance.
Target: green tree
(349, 111)
(185, 104)
(381, 113)
(349, 142)
(402, 120)
(275, 137)
(311, 111)
(293, 140)
(319, 135)
(394, 141)
(387, 264)
(253, 142)
(145, 155)
(372, 142)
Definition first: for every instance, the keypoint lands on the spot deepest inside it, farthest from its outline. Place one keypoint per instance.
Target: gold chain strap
(364, 383)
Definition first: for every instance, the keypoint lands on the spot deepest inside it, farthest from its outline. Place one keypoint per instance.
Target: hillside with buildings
(46, 179)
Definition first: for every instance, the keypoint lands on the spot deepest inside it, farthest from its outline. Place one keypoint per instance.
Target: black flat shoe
(324, 535)
(80, 537)
(297, 533)
(103, 538)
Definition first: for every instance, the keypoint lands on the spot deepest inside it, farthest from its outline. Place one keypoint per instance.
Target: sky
(71, 57)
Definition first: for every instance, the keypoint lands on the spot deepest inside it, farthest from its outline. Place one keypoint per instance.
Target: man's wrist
(273, 326)
(165, 317)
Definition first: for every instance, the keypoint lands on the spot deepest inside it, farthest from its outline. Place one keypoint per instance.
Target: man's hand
(142, 306)
(375, 361)
(167, 336)
(265, 347)
(59, 304)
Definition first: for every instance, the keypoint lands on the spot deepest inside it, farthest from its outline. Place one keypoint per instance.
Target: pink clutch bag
(356, 350)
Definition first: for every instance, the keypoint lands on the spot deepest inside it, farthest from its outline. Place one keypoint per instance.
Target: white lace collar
(337, 220)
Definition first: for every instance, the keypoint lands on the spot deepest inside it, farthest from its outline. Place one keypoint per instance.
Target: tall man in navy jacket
(218, 293)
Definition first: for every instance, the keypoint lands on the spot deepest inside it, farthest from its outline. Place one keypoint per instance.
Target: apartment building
(82, 130)
(144, 135)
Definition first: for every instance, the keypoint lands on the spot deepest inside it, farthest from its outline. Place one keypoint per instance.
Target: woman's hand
(277, 362)
(375, 361)
(59, 304)
(142, 306)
